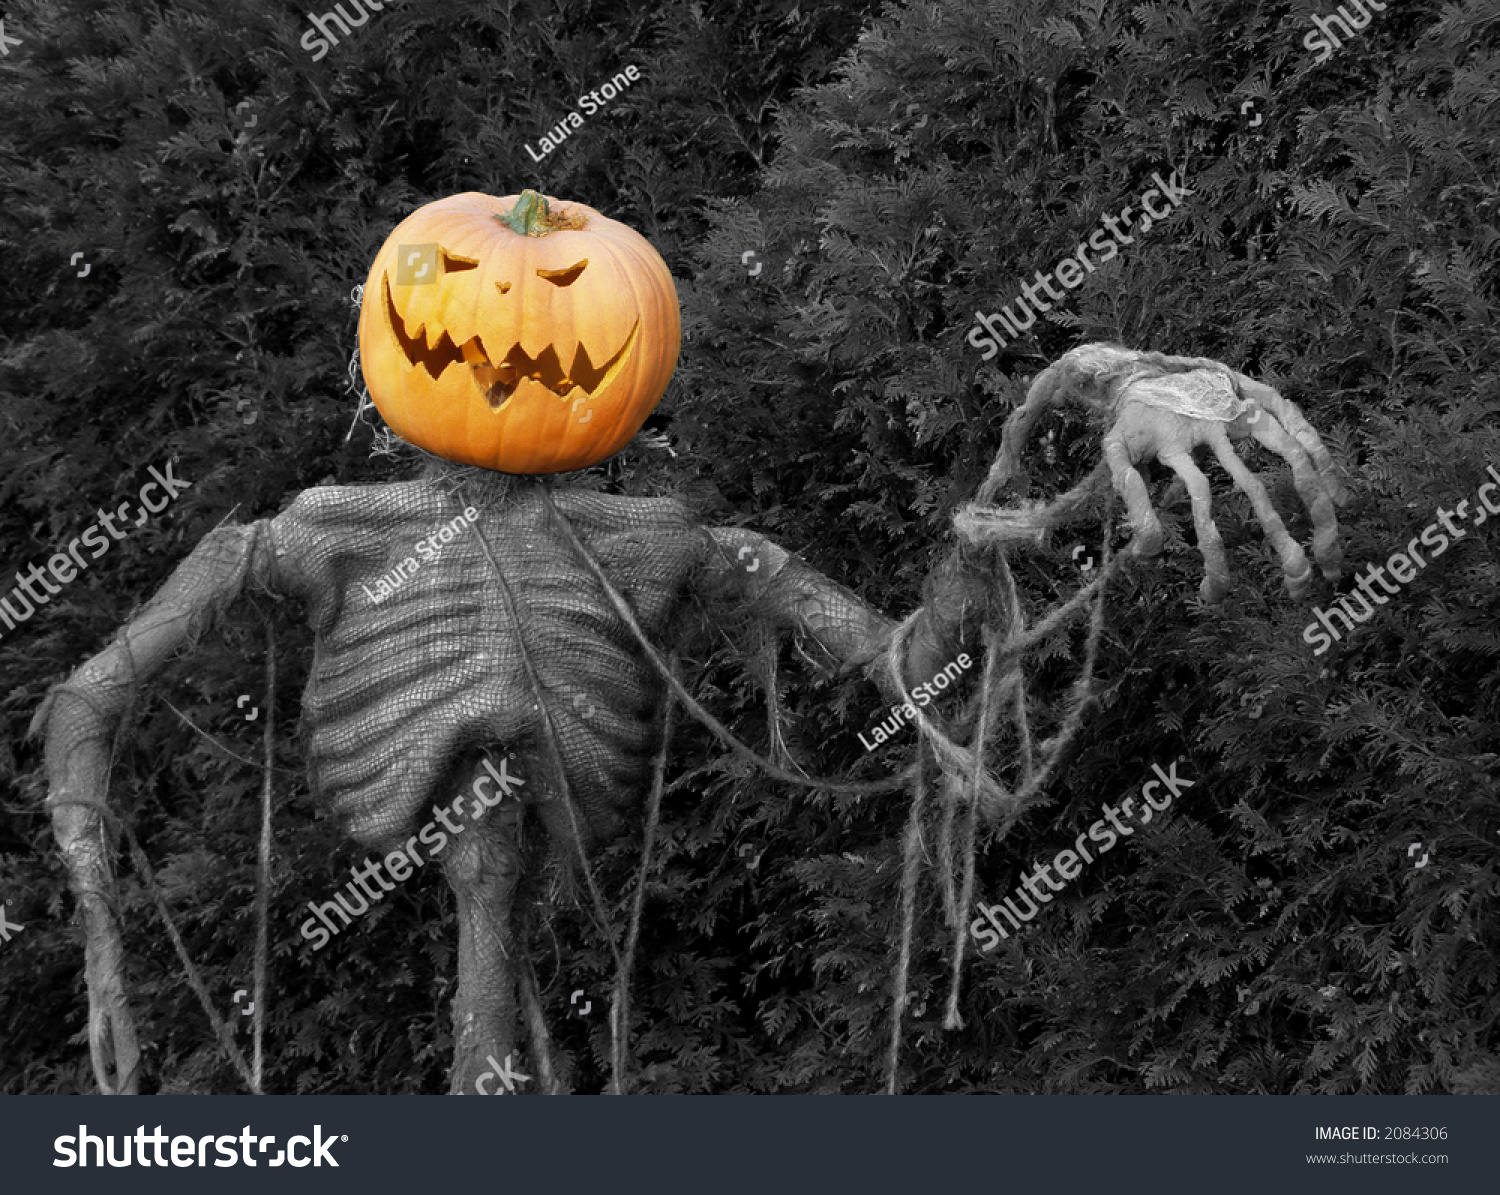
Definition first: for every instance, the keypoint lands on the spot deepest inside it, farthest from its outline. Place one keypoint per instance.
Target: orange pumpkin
(523, 334)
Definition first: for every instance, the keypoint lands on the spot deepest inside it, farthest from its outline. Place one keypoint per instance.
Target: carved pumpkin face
(521, 334)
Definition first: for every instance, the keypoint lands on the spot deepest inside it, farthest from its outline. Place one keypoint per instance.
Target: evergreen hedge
(894, 170)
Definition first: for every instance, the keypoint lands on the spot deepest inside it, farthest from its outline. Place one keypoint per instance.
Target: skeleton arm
(81, 718)
(788, 595)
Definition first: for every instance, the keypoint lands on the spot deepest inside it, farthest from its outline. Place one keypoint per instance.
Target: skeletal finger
(1296, 423)
(1294, 564)
(1047, 390)
(1312, 490)
(1130, 486)
(1210, 543)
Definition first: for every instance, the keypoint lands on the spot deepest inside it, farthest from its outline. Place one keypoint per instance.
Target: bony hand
(1165, 408)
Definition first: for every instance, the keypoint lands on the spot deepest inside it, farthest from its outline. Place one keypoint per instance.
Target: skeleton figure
(507, 640)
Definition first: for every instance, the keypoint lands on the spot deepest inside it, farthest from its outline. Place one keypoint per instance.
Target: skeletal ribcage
(426, 656)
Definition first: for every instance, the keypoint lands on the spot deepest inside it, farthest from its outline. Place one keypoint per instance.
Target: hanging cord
(1102, 370)
(967, 779)
(966, 776)
(954, 908)
(721, 732)
(195, 980)
(620, 1014)
(911, 866)
(536, 1022)
(766, 665)
(1014, 683)
(251, 1076)
(356, 299)
(955, 759)
(214, 739)
(951, 1017)
(263, 863)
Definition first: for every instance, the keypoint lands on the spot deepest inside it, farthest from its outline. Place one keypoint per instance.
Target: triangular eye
(452, 265)
(563, 277)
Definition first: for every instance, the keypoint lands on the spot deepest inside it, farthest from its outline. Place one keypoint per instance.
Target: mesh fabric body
(407, 688)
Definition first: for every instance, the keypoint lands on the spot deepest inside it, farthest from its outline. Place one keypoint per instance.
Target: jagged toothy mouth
(499, 380)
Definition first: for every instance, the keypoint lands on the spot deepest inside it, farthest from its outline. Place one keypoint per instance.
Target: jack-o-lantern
(522, 334)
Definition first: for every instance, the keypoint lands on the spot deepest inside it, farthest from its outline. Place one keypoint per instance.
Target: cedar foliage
(1270, 933)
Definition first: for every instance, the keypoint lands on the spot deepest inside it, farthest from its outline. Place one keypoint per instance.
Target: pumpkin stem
(533, 217)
